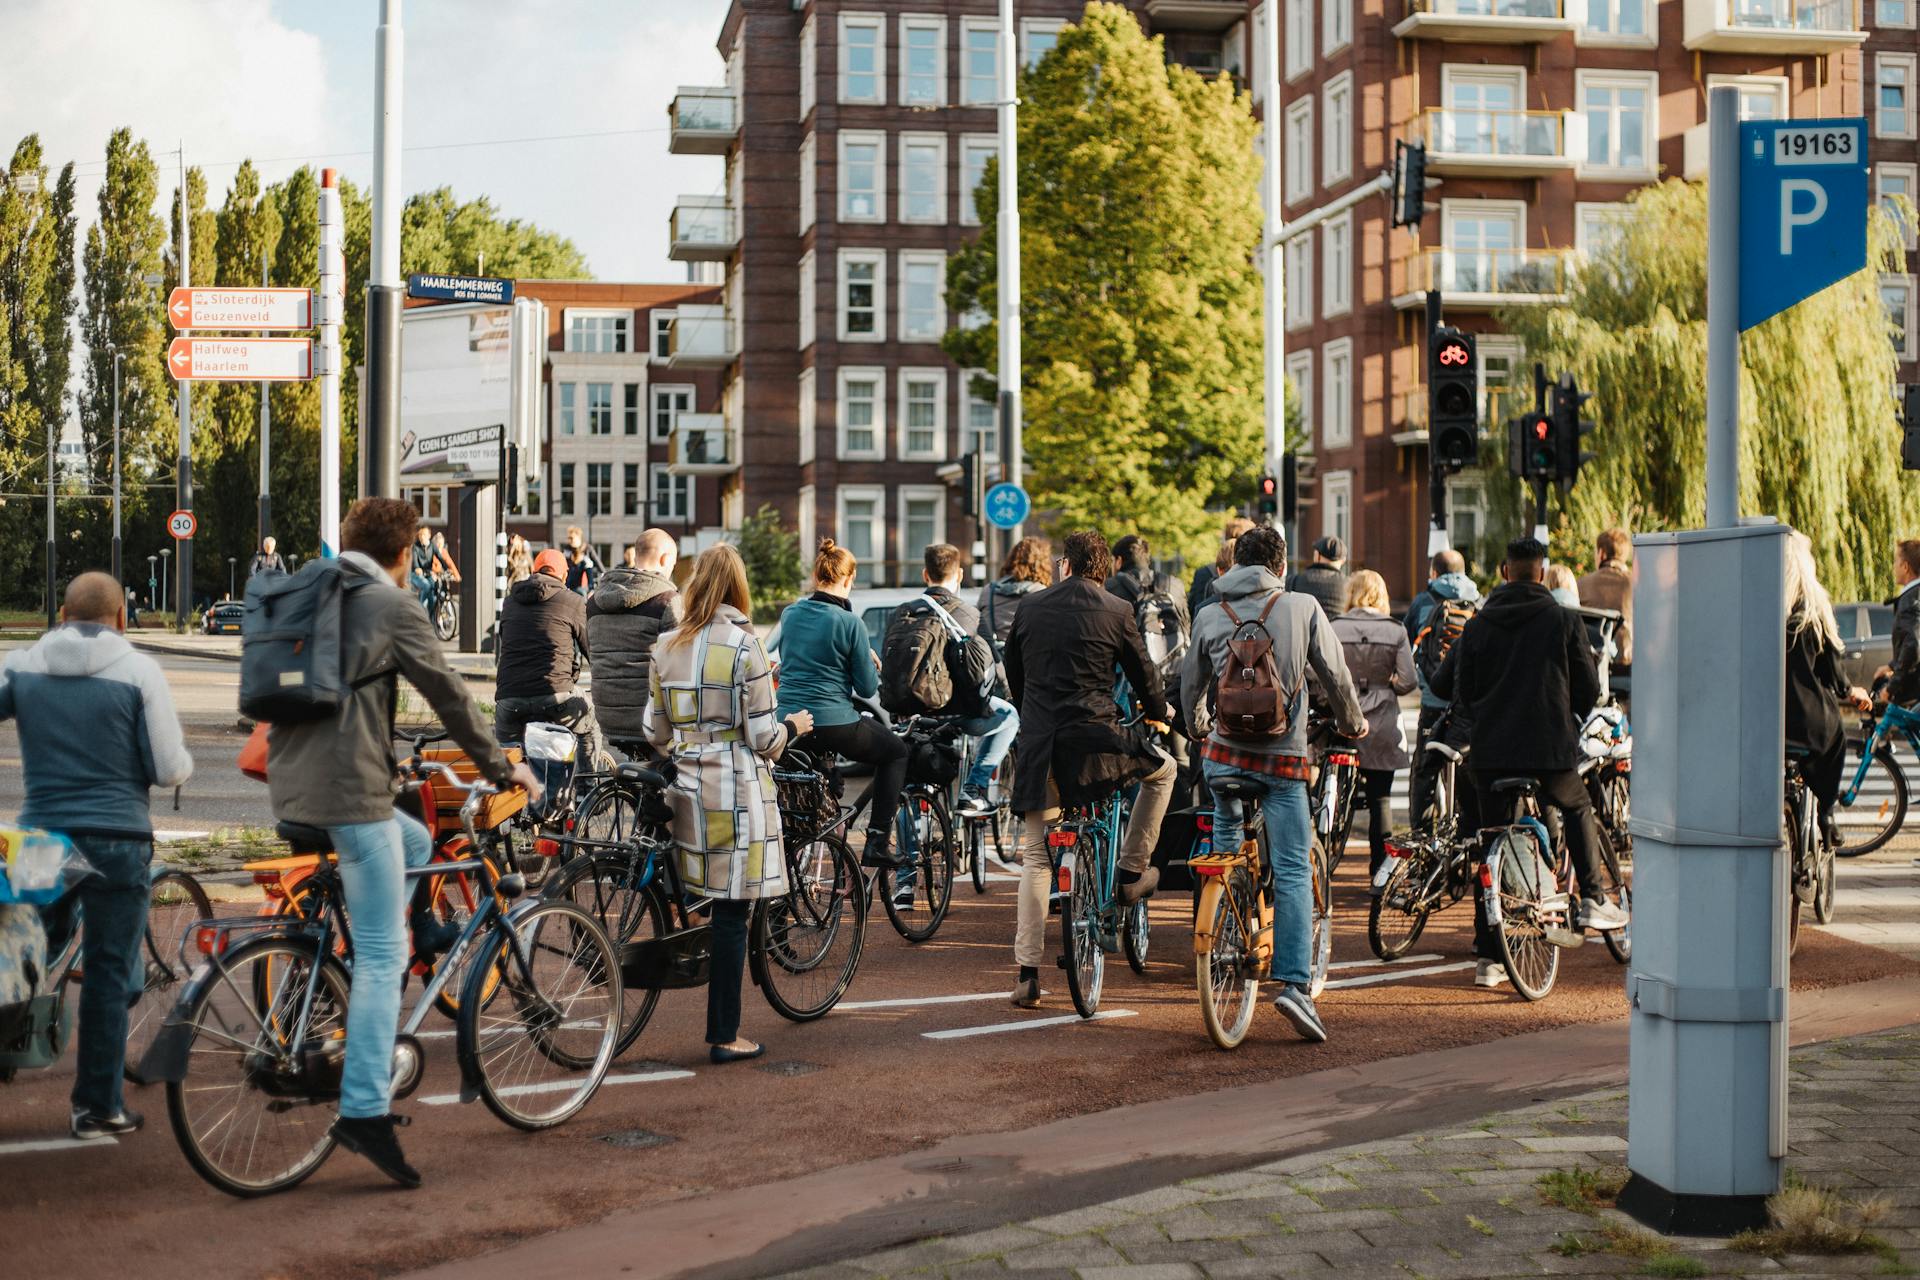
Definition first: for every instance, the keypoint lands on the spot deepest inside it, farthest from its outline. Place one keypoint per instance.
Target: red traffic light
(1540, 428)
(1453, 354)
(1268, 486)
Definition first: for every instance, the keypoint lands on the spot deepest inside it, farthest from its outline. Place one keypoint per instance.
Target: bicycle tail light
(547, 848)
(1061, 839)
(270, 884)
(1206, 869)
(1347, 758)
(1064, 879)
(1486, 876)
(1204, 823)
(1396, 850)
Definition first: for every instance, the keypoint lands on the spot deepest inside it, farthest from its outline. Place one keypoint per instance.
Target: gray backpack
(291, 649)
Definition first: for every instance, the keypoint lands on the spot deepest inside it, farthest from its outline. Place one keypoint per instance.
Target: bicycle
(1875, 776)
(1000, 821)
(443, 607)
(1812, 874)
(1336, 786)
(1083, 847)
(253, 1052)
(1233, 923)
(1432, 868)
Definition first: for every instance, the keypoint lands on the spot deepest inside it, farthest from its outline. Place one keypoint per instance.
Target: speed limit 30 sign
(181, 525)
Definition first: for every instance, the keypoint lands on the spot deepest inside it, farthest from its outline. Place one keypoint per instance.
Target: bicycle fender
(165, 1061)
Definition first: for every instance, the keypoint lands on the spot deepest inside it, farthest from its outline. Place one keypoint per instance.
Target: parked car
(1867, 629)
(875, 605)
(222, 618)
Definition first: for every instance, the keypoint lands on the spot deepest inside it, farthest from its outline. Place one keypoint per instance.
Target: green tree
(772, 555)
(440, 234)
(1820, 438)
(1140, 309)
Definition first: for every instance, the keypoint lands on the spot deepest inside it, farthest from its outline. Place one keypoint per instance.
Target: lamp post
(119, 359)
(53, 449)
(166, 566)
(153, 581)
(230, 564)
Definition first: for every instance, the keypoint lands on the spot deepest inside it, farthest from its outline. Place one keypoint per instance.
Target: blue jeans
(373, 858)
(422, 587)
(112, 904)
(1289, 851)
(996, 730)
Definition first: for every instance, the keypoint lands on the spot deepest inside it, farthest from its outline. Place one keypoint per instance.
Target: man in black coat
(1523, 668)
(542, 648)
(1068, 645)
(1905, 671)
(1325, 579)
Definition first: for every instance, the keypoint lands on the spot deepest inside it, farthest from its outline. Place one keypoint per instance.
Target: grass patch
(1479, 1226)
(1809, 1219)
(1574, 1246)
(224, 848)
(1582, 1190)
(1675, 1265)
(1573, 1115)
(1636, 1244)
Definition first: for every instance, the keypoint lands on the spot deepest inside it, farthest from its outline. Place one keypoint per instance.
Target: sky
(287, 82)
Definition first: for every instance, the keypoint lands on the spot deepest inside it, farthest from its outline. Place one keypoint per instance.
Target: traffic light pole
(1437, 539)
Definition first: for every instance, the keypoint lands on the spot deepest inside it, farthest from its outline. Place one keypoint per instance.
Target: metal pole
(1437, 540)
(118, 360)
(380, 429)
(183, 480)
(53, 448)
(332, 304)
(1275, 263)
(1723, 308)
(266, 427)
(1012, 439)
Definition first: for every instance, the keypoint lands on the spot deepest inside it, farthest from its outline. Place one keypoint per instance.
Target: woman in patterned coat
(711, 709)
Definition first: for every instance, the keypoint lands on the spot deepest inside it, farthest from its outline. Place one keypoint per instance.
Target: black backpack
(930, 666)
(1163, 628)
(291, 649)
(1437, 638)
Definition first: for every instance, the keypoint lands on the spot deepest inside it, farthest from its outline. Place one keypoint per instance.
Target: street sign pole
(1012, 433)
(1723, 308)
(380, 428)
(1273, 256)
(266, 446)
(331, 306)
(1437, 539)
(183, 480)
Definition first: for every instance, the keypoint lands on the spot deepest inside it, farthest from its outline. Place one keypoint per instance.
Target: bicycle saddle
(1517, 786)
(1236, 789)
(303, 838)
(643, 775)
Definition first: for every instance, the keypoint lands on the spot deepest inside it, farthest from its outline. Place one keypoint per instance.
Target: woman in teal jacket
(825, 661)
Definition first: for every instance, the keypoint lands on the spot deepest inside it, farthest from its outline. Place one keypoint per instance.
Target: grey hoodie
(628, 611)
(97, 730)
(1302, 637)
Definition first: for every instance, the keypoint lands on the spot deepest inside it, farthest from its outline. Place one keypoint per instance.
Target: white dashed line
(1396, 975)
(961, 1033)
(54, 1144)
(558, 1086)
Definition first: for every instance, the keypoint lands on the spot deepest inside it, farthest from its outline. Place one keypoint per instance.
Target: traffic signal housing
(1453, 400)
(1270, 494)
(1568, 428)
(1409, 183)
(1910, 427)
(1532, 452)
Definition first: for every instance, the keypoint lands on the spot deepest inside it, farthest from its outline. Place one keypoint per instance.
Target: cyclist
(443, 565)
(338, 773)
(420, 568)
(1610, 586)
(1815, 687)
(1200, 594)
(1434, 622)
(630, 607)
(266, 560)
(1325, 579)
(1904, 686)
(826, 661)
(1523, 670)
(1062, 654)
(542, 642)
(583, 568)
(97, 731)
(1380, 660)
(1029, 568)
(1300, 637)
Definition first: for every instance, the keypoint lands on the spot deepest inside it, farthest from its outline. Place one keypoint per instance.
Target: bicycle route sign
(1007, 505)
(1803, 210)
(182, 525)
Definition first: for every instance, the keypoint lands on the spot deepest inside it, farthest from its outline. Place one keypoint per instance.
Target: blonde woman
(1380, 658)
(519, 560)
(710, 707)
(1815, 687)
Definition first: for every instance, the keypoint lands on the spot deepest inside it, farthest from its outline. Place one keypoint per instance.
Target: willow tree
(1819, 427)
(1140, 308)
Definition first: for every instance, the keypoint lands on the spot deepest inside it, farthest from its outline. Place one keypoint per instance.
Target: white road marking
(961, 1033)
(168, 837)
(1373, 979)
(557, 1086)
(1370, 964)
(920, 1000)
(54, 1144)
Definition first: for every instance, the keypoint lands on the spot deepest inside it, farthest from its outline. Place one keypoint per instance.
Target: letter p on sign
(1790, 217)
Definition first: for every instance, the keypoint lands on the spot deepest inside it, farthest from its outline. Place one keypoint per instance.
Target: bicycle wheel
(1227, 972)
(1824, 885)
(805, 945)
(540, 1049)
(1619, 941)
(252, 1109)
(1136, 935)
(446, 618)
(917, 899)
(1320, 940)
(174, 902)
(455, 898)
(977, 854)
(608, 814)
(1879, 805)
(1522, 878)
(608, 887)
(1086, 958)
(1398, 915)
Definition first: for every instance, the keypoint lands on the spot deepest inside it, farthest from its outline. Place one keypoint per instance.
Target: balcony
(701, 445)
(702, 229)
(704, 122)
(1497, 404)
(1195, 15)
(1484, 279)
(700, 337)
(1497, 144)
(1782, 27)
(1485, 21)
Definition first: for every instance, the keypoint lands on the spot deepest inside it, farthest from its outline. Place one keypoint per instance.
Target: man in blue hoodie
(1450, 585)
(97, 731)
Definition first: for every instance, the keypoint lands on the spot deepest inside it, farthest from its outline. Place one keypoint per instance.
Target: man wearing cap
(542, 648)
(1325, 579)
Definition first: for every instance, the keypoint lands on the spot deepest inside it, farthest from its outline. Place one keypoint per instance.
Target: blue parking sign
(1803, 210)
(1007, 505)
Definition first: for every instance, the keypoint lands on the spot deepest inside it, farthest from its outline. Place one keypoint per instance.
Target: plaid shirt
(1296, 767)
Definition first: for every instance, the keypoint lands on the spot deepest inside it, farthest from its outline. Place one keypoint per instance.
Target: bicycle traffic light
(1531, 451)
(970, 483)
(1290, 488)
(1568, 427)
(1910, 427)
(1453, 400)
(1409, 183)
(1270, 494)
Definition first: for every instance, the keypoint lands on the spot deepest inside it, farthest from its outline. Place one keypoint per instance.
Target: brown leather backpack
(1249, 702)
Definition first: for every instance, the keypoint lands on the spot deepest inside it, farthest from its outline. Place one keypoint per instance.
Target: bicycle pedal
(1563, 938)
(1805, 891)
(1059, 962)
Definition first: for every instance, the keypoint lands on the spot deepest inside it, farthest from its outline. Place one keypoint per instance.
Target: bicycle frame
(1527, 821)
(1893, 719)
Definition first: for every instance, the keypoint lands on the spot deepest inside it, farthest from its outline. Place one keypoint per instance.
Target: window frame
(1911, 172)
(1337, 482)
(1298, 179)
(911, 22)
(877, 541)
(1911, 62)
(1336, 139)
(1334, 413)
(1906, 7)
(807, 412)
(655, 394)
(1297, 37)
(843, 190)
(631, 492)
(566, 407)
(1585, 35)
(876, 374)
(809, 181)
(906, 493)
(621, 317)
(1585, 78)
(1907, 351)
(809, 67)
(1030, 27)
(909, 259)
(1299, 368)
(1299, 281)
(1777, 85)
(847, 258)
(660, 328)
(938, 142)
(969, 26)
(563, 499)
(599, 495)
(1336, 287)
(630, 409)
(969, 144)
(937, 376)
(682, 488)
(809, 300)
(970, 435)
(877, 23)
(592, 410)
(1605, 211)
(1336, 26)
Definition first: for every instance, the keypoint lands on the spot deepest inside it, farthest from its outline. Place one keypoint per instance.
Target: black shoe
(432, 937)
(373, 1138)
(974, 802)
(720, 1053)
(880, 852)
(85, 1126)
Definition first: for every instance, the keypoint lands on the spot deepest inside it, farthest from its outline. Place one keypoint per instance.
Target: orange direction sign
(240, 308)
(240, 359)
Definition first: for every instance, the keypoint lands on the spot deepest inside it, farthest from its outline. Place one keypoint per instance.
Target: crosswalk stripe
(1027, 1024)
(557, 1086)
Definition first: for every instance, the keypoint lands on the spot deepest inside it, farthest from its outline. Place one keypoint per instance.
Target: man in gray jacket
(97, 730)
(339, 774)
(1278, 765)
(630, 607)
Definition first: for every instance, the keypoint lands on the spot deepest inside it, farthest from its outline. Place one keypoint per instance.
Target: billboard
(464, 390)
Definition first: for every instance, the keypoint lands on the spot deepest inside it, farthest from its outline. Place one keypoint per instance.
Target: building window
(923, 313)
(923, 60)
(863, 177)
(1336, 411)
(430, 502)
(1336, 25)
(1597, 228)
(1257, 47)
(863, 291)
(1299, 149)
(809, 67)
(1891, 180)
(630, 409)
(979, 62)
(1482, 238)
(1037, 38)
(923, 415)
(1336, 513)
(1299, 281)
(530, 498)
(1501, 358)
(630, 490)
(597, 332)
(863, 59)
(983, 418)
(662, 334)
(599, 408)
(923, 522)
(1618, 110)
(1761, 97)
(599, 488)
(1336, 252)
(809, 420)
(672, 497)
(1466, 515)
(1298, 35)
(975, 151)
(809, 182)
(807, 520)
(1300, 374)
(668, 404)
(1893, 13)
(1617, 22)
(563, 500)
(1336, 149)
(863, 413)
(861, 513)
(1483, 105)
(809, 303)
(1893, 75)
(923, 177)
(567, 393)
(1896, 292)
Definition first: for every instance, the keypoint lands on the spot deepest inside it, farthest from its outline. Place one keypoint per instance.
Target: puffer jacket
(1381, 663)
(628, 611)
(999, 603)
(543, 629)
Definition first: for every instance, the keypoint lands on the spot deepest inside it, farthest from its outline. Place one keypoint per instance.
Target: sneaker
(903, 897)
(974, 802)
(432, 937)
(1134, 890)
(373, 1138)
(1296, 1006)
(1602, 914)
(1489, 973)
(1026, 995)
(86, 1126)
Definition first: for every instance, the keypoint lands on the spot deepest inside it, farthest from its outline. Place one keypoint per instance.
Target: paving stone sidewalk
(1468, 1202)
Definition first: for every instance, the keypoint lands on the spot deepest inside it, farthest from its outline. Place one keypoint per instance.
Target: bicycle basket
(808, 802)
(934, 761)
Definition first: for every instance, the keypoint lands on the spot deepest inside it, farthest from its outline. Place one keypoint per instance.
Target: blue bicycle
(1873, 806)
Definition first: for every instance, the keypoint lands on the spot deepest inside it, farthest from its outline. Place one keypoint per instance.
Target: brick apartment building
(855, 132)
